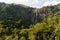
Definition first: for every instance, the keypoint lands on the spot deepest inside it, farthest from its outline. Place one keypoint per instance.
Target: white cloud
(54, 3)
(14, 1)
(33, 3)
(48, 3)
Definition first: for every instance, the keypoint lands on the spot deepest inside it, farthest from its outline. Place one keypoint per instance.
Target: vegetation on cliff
(19, 22)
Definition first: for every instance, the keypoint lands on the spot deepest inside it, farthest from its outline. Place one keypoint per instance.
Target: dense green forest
(20, 22)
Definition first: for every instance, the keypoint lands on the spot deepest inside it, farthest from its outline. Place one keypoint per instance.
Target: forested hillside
(20, 22)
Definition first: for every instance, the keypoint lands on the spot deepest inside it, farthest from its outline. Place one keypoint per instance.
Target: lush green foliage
(18, 22)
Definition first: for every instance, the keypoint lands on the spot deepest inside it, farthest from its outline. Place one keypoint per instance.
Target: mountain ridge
(24, 13)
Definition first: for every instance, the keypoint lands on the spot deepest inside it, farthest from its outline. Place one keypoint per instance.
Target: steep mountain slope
(27, 15)
(13, 12)
(20, 22)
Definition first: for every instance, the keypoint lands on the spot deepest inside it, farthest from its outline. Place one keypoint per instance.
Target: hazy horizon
(33, 3)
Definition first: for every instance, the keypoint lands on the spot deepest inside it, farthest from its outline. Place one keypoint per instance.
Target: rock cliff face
(42, 12)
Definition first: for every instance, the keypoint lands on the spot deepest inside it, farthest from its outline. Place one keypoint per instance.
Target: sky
(33, 3)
